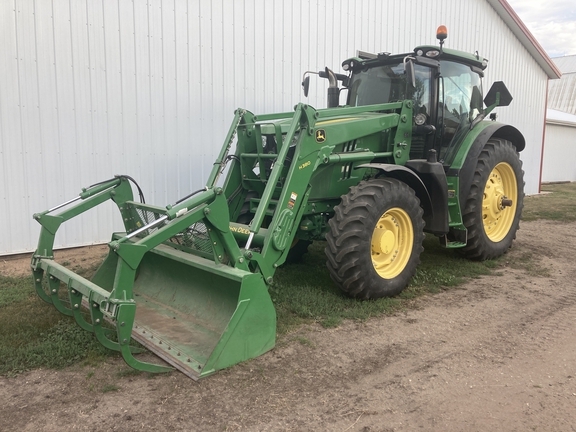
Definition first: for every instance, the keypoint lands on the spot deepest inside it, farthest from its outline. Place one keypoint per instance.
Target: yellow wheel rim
(499, 202)
(392, 242)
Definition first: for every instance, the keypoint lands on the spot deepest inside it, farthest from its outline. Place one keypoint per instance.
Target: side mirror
(498, 95)
(306, 85)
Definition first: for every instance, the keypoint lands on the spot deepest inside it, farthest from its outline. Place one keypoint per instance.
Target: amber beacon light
(442, 33)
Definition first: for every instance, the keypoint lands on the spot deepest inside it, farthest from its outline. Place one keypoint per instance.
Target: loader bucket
(197, 316)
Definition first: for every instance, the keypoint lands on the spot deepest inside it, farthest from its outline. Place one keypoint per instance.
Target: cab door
(459, 103)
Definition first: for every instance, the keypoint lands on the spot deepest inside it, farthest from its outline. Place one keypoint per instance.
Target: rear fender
(465, 162)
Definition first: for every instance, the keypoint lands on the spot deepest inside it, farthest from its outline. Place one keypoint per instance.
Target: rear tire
(375, 239)
(494, 205)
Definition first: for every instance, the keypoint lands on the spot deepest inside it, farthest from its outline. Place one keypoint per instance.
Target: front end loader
(410, 152)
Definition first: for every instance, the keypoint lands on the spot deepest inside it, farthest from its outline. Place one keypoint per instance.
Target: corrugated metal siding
(562, 93)
(559, 154)
(566, 64)
(148, 88)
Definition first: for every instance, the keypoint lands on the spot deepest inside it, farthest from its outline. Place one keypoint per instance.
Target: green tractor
(410, 152)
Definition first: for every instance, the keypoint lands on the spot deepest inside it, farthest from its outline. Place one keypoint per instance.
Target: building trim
(505, 11)
(543, 139)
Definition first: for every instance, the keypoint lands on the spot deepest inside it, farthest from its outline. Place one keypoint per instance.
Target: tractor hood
(269, 128)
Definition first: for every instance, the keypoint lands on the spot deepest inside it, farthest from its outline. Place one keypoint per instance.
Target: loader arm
(305, 143)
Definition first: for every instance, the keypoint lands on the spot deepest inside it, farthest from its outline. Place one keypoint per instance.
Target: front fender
(407, 176)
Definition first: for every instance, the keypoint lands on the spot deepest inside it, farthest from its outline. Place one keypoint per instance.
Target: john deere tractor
(410, 152)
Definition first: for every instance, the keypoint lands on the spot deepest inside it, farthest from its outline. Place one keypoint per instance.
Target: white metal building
(148, 87)
(559, 162)
(562, 93)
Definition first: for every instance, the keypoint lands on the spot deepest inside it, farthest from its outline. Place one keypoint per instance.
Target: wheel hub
(499, 202)
(391, 243)
(387, 242)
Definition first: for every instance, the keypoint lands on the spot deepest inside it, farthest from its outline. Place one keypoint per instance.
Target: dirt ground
(498, 353)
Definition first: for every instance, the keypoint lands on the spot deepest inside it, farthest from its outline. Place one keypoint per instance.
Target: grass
(528, 261)
(110, 388)
(304, 293)
(304, 341)
(33, 334)
(128, 372)
(558, 203)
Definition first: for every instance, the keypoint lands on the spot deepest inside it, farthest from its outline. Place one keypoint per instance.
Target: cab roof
(427, 51)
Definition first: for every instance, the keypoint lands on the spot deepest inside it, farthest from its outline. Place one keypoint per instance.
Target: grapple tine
(124, 323)
(97, 321)
(38, 274)
(54, 285)
(76, 304)
(131, 361)
(100, 332)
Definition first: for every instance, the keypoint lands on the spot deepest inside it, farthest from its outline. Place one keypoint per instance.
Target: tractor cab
(444, 85)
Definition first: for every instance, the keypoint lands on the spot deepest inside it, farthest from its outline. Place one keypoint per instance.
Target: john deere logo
(320, 135)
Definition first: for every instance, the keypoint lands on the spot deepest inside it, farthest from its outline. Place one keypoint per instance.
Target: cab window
(460, 102)
(387, 83)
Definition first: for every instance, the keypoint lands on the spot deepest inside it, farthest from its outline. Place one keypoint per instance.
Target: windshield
(387, 83)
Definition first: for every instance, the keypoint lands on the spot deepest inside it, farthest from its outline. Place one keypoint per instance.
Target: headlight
(420, 119)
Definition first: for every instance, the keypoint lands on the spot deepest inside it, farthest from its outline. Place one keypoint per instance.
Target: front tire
(375, 239)
(494, 205)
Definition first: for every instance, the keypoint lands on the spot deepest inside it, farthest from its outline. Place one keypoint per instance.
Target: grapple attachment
(176, 282)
